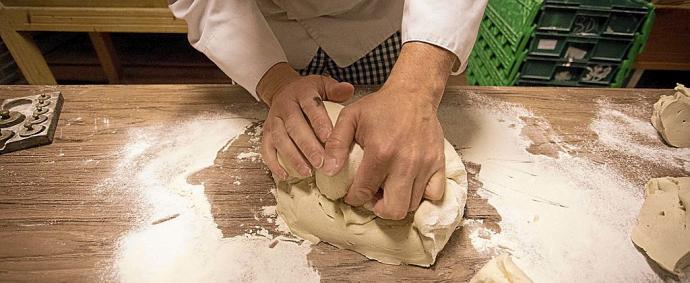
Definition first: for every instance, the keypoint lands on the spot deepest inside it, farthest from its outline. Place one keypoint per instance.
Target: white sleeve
(234, 35)
(449, 24)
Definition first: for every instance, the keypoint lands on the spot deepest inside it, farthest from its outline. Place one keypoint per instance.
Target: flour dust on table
(177, 239)
(562, 215)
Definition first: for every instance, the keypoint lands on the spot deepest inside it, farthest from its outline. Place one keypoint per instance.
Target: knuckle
(335, 143)
(383, 154)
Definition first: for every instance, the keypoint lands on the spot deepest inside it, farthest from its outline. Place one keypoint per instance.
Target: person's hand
(297, 121)
(399, 131)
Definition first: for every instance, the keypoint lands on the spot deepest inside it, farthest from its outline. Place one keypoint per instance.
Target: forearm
(423, 69)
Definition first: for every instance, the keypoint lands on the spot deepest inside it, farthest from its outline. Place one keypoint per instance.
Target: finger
(397, 193)
(313, 108)
(339, 142)
(368, 179)
(436, 186)
(270, 157)
(337, 91)
(418, 189)
(287, 149)
(303, 136)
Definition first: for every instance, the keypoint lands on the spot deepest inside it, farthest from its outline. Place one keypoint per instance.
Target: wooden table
(57, 226)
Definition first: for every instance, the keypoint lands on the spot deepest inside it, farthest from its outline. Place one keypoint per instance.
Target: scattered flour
(564, 217)
(636, 137)
(188, 246)
(253, 156)
(269, 211)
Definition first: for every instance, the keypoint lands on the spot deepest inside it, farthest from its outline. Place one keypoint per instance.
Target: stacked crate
(559, 42)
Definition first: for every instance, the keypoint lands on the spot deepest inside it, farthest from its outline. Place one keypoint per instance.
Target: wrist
(422, 69)
(274, 80)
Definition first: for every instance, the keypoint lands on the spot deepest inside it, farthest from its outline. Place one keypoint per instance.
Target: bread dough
(314, 210)
(663, 228)
(500, 269)
(671, 117)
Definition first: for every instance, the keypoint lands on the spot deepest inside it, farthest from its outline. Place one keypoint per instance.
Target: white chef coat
(246, 38)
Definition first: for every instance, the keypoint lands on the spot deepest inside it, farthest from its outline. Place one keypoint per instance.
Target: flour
(253, 156)
(562, 218)
(177, 239)
(483, 239)
(636, 137)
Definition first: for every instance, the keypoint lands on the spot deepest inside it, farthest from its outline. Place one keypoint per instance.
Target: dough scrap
(671, 117)
(313, 209)
(500, 269)
(663, 228)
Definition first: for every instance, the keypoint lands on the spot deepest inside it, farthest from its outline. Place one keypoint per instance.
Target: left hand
(398, 129)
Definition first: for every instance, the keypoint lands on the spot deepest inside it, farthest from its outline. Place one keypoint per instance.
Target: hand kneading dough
(663, 228)
(671, 117)
(313, 209)
(500, 269)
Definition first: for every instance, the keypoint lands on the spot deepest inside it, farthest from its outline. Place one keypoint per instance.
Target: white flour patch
(253, 156)
(636, 137)
(178, 240)
(564, 217)
(269, 211)
(483, 239)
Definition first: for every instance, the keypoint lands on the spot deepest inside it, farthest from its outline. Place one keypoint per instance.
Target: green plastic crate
(564, 72)
(579, 48)
(504, 67)
(503, 44)
(511, 22)
(592, 20)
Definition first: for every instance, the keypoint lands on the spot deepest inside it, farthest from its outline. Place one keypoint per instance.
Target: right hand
(297, 124)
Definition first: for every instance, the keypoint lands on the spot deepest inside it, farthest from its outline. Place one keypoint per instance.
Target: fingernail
(318, 161)
(329, 166)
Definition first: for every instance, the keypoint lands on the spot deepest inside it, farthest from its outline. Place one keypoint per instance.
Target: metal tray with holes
(29, 121)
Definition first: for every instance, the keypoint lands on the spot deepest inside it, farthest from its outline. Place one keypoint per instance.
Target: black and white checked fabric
(372, 69)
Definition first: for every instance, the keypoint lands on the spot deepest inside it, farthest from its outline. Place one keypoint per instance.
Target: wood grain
(58, 224)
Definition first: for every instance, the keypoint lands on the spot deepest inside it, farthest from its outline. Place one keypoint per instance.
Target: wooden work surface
(58, 223)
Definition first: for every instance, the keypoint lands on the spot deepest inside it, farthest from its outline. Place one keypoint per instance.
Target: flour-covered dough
(663, 228)
(671, 117)
(314, 210)
(500, 269)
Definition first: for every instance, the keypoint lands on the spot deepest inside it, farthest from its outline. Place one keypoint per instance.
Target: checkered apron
(372, 69)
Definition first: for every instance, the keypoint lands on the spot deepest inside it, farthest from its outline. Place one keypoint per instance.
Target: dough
(500, 269)
(671, 117)
(663, 228)
(314, 210)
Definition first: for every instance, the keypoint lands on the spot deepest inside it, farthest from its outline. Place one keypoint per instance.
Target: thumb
(337, 91)
(339, 142)
(436, 186)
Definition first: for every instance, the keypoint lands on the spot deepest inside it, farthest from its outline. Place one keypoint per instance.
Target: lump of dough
(663, 228)
(313, 209)
(671, 117)
(336, 187)
(500, 269)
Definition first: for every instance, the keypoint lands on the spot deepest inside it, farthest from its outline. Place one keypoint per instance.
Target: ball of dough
(663, 228)
(313, 209)
(500, 269)
(671, 117)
